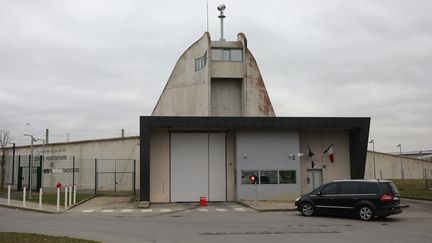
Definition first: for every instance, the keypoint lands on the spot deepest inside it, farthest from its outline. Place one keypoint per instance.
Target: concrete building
(215, 78)
(214, 126)
(185, 158)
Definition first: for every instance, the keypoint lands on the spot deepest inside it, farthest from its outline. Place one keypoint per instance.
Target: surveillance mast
(221, 8)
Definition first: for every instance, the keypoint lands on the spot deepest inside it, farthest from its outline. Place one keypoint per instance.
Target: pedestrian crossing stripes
(166, 210)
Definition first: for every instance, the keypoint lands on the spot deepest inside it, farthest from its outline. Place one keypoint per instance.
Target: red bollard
(203, 201)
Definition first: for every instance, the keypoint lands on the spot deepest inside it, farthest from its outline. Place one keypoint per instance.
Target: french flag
(330, 153)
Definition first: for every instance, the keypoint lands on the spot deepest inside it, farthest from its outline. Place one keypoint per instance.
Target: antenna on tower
(207, 18)
(221, 8)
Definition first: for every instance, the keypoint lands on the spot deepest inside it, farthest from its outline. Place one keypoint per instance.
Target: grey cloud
(90, 68)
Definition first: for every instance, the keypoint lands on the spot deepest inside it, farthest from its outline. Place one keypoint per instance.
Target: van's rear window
(390, 188)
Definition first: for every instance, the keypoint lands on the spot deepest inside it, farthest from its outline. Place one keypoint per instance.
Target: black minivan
(365, 198)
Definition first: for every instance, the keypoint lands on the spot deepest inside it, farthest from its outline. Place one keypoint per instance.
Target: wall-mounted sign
(61, 170)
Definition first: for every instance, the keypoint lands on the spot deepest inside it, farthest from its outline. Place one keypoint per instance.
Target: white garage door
(198, 167)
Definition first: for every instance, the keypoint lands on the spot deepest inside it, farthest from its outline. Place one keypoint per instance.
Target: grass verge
(12, 237)
(414, 188)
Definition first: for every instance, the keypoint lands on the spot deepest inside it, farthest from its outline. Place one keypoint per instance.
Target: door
(189, 166)
(217, 167)
(327, 199)
(198, 167)
(348, 197)
(314, 179)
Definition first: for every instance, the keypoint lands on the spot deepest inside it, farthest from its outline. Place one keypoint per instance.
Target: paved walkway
(165, 210)
(126, 206)
(270, 206)
(30, 206)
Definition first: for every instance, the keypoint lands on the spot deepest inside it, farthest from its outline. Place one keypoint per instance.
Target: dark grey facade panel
(145, 160)
(358, 135)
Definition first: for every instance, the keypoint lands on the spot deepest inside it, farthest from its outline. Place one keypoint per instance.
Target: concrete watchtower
(215, 78)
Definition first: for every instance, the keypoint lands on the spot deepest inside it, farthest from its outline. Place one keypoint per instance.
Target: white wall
(59, 156)
(388, 166)
(319, 141)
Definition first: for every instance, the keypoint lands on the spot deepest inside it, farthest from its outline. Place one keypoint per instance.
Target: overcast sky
(90, 68)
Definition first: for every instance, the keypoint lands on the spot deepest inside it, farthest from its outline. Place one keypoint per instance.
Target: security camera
(221, 7)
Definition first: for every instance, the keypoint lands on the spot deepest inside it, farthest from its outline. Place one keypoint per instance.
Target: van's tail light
(386, 198)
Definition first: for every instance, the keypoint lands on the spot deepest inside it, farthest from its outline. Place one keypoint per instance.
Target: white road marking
(88, 211)
(221, 210)
(165, 210)
(187, 211)
(126, 210)
(240, 209)
(107, 211)
(202, 209)
(148, 210)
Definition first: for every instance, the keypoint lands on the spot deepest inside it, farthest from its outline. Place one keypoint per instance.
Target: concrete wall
(227, 69)
(319, 141)
(388, 166)
(226, 97)
(267, 150)
(187, 91)
(59, 158)
(257, 100)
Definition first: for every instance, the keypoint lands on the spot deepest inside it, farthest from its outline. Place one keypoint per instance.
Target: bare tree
(4, 140)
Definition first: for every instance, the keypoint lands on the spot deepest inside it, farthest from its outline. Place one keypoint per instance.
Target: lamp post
(373, 150)
(400, 155)
(31, 163)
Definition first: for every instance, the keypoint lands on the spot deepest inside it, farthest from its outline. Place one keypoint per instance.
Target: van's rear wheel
(306, 209)
(365, 213)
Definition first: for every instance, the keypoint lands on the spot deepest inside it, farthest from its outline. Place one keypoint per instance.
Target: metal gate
(115, 176)
(24, 174)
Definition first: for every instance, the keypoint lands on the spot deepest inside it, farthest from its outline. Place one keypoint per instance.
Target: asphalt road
(413, 225)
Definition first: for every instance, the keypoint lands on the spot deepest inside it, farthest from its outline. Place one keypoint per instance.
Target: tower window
(200, 62)
(227, 55)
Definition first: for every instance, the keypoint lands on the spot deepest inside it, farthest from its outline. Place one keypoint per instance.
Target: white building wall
(267, 150)
(319, 141)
